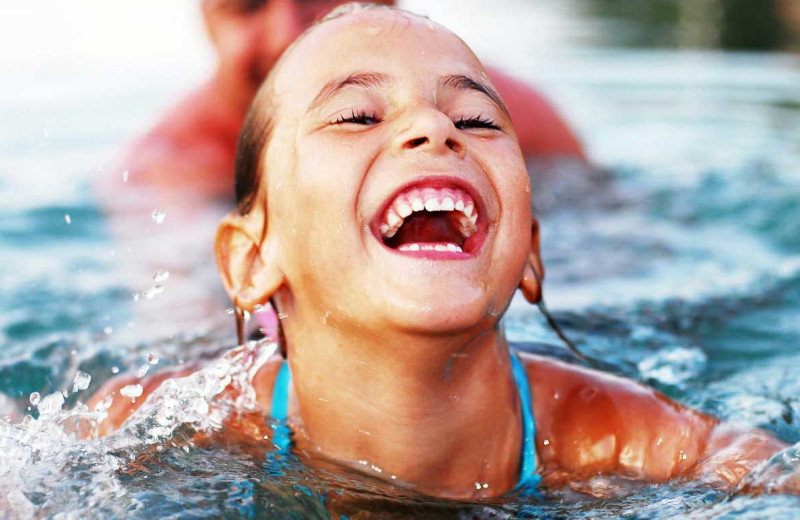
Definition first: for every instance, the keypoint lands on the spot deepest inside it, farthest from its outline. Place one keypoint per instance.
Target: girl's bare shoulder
(590, 421)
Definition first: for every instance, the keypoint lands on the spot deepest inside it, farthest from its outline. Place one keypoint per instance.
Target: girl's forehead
(390, 42)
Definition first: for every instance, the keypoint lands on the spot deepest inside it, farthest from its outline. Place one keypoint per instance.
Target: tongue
(426, 228)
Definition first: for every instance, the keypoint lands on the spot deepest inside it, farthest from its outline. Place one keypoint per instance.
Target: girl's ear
(249, 274)
(533, 275)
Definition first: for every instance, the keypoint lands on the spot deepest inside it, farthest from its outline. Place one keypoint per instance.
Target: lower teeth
(431, 247)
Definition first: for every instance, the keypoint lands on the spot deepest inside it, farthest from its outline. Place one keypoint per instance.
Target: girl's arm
(591, 423)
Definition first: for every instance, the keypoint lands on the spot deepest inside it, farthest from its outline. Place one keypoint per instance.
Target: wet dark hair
(257, 127)
(250, 149)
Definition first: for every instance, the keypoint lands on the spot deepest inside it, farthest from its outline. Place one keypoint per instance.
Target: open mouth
(439, 222)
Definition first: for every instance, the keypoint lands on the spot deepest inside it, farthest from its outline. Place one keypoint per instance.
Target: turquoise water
(677, 262)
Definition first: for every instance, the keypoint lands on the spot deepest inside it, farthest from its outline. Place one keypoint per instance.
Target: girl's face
(396, 191)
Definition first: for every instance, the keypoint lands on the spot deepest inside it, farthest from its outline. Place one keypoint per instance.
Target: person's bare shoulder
(191, 149)
(590, 422)
(123, 406)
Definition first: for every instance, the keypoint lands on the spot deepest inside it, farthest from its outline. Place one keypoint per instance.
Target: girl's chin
(430, 318)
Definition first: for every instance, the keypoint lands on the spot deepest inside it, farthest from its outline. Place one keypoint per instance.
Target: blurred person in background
(191, 150)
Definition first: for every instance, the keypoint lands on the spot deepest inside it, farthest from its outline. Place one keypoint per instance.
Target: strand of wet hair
(554, 325)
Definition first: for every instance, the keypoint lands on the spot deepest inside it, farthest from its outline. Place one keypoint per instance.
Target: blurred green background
(755, 25)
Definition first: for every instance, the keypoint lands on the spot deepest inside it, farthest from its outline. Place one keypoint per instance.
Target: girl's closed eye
(476, 122)
(358, 117)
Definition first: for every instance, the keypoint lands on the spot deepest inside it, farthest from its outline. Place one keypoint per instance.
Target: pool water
(676, 262)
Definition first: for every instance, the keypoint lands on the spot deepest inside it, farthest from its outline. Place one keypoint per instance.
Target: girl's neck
(439, 413)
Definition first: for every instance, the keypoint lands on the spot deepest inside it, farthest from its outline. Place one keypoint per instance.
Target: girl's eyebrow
(360, 79)
(378, 79)
(462, 82)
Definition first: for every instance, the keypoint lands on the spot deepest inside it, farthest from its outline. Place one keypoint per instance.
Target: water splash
(673, 366)
(779, 474)
(81, 381)
(55, 465)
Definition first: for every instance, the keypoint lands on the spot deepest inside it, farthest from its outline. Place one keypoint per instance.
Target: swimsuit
(528, 478)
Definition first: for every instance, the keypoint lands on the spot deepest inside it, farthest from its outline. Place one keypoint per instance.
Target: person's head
(370, 114)
(250, 35)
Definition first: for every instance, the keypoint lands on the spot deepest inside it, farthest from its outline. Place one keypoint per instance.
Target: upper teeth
(417, 200)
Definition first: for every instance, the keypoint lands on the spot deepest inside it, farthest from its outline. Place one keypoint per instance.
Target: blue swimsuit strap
(280, 407)
(528, 478)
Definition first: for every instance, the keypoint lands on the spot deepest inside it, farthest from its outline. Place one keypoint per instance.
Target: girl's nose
(431, 131)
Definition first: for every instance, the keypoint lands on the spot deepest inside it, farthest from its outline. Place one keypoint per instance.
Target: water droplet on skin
(67, 219)
(125, 176)
(131, 391)
(282, 316)
(152, 359)
(159, 216)
(142, 371)
(35, 398)
(81, 381)
(160, 276)
(546, 442)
